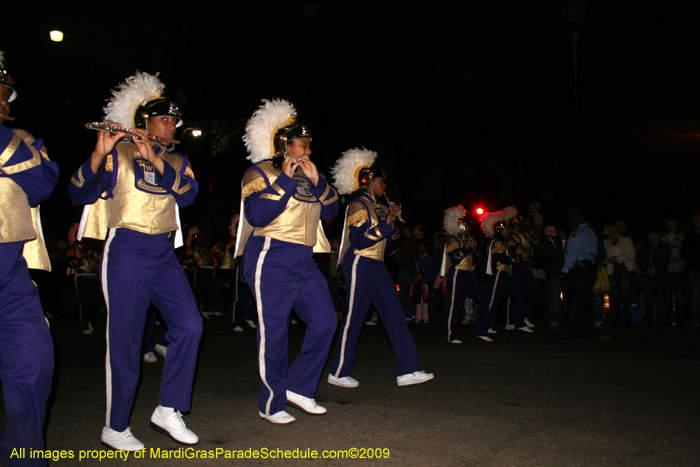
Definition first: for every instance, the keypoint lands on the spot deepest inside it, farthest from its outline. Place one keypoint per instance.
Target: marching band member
(133, 189)
(521, 273)
(284, 197)
(369, 228)
(499, 268)
(458, 264)
(27, 177)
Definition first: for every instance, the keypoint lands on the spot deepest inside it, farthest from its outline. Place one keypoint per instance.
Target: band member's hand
(289, 166)
(146, 148)
(392, 215)
(105, 143)
(309, 169)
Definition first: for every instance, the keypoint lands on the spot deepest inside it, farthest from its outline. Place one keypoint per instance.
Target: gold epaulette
(452, 245)
(253, 181)
(498, 247)
(357, 214)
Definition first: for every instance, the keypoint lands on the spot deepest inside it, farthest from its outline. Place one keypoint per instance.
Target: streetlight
(56, 36)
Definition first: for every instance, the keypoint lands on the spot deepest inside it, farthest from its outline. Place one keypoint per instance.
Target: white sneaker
(279, 418)
(344, 382)
(525, 329)
(90, 326)
(150, 357)
(305, 404)
(169, 421)
(238, 329)
(161, 349)
(553, 324)
(510, 327)
(370, 323)
(123, 441)
(492, 331)
(455, 341)
(87, 332)
(293, 321)
(529, 324)
(416, 377)
(250, 322)
(486, 338)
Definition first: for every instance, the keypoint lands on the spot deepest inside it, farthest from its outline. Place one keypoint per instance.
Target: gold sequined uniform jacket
(518, 240)
(458, 253)
(139, 198)
(285, 209)
(365, 233)
(27, 176)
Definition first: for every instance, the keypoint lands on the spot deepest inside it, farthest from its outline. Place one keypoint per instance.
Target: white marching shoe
(169, 421)
(123, 441)
(344, 382)
(279, 418)
(305, 404)
(417, 377)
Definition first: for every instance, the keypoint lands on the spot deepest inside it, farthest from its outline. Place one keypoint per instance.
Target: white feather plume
(346, 169)
(129, 95)
(510, 212)
(452, 215)
(490, 220)
(262, 126)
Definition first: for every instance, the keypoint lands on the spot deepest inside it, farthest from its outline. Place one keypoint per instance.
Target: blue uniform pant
(241, 310)
(26, 359)
(501, 283)
(138, 269)
(463, 284)
(283, 276)
(368, 281)
(522, 275)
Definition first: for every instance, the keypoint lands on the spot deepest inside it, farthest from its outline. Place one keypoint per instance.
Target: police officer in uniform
(579, 271)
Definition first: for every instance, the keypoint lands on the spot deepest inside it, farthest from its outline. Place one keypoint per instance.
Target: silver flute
(101, 126)
(392, 204)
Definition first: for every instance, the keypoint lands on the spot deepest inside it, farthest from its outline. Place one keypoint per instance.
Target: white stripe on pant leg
(105, 292)
(452, 305)
(261, 323)
(508, 313)
(495, 286)
(348, 318)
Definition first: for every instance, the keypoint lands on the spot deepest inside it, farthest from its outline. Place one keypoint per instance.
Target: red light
(479, 211)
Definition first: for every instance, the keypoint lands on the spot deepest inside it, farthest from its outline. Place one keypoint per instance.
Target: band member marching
(369, 228)
(284, 197)
(522, 274)
(27, 177)
(133, 189)
(499, 267)
(458, 264)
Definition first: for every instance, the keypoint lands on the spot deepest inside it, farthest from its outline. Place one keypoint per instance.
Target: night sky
(469, 102)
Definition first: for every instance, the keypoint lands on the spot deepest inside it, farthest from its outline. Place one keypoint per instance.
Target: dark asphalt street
(524, 400)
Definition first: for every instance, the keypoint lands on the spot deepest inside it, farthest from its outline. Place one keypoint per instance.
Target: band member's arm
(456, 251)
(86, 186)
(328, 197)
(180, 183)
(264, 201)
(359, 224)
(27, 165)
(500, 253)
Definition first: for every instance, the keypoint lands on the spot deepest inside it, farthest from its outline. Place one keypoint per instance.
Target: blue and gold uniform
(135, 208)
(462, 284)
(521, 272)
(27, 177)
(368, 280)
(280, 232)
(499, 268)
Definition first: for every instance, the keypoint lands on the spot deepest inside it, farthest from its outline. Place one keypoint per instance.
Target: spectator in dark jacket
(653, 257)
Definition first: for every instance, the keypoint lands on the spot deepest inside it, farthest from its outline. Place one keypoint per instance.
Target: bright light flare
(479, 211)
(196, 133)
(56, 36)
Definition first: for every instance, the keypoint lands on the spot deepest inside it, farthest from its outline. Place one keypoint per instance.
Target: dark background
(469, 102)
